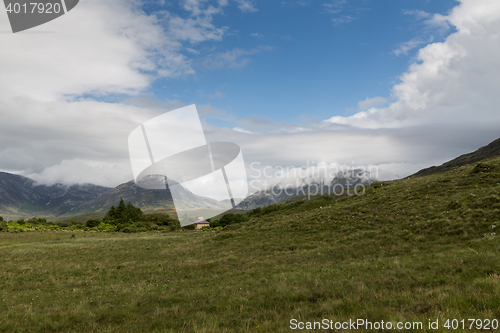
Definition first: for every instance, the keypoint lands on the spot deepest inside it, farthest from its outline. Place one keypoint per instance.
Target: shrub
(271, 208)
(255, 211)
(129, 230)
(482, 167)
(92, 223)
(230, 218)
(159, 219)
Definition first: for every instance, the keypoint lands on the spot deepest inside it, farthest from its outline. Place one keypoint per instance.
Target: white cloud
(202, 7)
(342, 11)
(405, 47)
(419, 14)
(242, 130)
(73, 171)
(335, 6)
(455, 81)
(48, 130)
(446, 103)
(246, 6)
(198, 27)
(50, 135)
(102, 47)
(434, 26)
(99, 48)
(371, 102)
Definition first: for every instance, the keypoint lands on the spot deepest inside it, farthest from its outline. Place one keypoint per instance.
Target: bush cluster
(128, 219)
(38, 224)
(228, 219)
(125, 218)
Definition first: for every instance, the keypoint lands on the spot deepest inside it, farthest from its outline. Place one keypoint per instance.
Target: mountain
(22, 197)
(146, 199)
(491, 150)
(338, 186)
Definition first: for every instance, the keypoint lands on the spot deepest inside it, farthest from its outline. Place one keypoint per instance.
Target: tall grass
(408, 250)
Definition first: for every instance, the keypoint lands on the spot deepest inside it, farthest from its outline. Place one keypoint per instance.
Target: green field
(408, 250)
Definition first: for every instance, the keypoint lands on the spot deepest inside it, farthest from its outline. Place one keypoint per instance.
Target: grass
(407, 250)
(100, 215)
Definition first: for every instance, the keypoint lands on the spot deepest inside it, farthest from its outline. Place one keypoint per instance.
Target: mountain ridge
(22, 197)
(488, 151)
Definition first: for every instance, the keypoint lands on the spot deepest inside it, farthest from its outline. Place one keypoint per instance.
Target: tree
(3, 226)
(124, 214)
(111, 214)
(134, 213)
(93, 223)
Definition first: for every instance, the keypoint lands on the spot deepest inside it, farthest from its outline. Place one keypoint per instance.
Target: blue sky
(309, 61)
(399, 85)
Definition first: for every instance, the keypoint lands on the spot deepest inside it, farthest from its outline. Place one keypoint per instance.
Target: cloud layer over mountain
(68, 94)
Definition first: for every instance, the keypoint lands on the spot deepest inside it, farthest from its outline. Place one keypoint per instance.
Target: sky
(398, 85)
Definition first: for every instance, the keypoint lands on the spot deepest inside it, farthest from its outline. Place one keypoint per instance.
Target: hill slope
(491, 150)
(412, 250)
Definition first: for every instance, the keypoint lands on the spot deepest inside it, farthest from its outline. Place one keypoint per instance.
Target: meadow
(413, 250)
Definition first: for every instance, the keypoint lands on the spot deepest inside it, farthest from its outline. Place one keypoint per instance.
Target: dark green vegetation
(128, 218)
(407, 250)
(100, 215)
(124, 218)
(489, 151)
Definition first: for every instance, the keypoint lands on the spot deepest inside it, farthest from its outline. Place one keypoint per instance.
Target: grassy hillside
(408, 250)
(489, 151)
